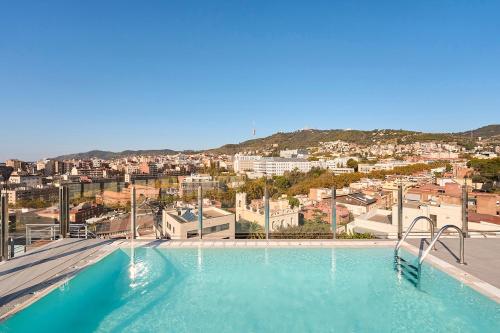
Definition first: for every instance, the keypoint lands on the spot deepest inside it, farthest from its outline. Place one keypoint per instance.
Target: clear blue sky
(114, 75)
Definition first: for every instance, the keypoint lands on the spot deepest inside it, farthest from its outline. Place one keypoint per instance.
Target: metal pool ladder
(440, 232)
(408, 270)
(412, 224)
(412, 272)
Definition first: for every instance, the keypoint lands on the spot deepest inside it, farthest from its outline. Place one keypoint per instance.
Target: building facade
(280, 216)
(183, 223)
(188, 185)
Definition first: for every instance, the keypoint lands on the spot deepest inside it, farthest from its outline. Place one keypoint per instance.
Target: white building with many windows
(259, 166)
(242, 163)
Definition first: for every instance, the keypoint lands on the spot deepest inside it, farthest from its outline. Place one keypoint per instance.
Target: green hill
(107, 155)
(312, 137)
(309, 138)
(485, 132)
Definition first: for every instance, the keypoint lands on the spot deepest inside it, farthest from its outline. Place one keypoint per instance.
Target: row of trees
(35, 203)
(296, 182)
(487, 171)
(307, 230)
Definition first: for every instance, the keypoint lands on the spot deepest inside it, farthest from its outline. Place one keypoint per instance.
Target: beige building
(384, 223)
(26, 180)
(183, 223)
(48, 193)
(281, 215)
(189, 184)
(441, 215)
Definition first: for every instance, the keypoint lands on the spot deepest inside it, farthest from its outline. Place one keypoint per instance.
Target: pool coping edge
(103, 252)
(481, 286)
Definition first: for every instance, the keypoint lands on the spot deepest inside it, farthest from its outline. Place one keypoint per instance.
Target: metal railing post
(4, 225)
(63, 211)
(465, 215)
(200, 212)
(400, 211)
(61, 208)
(66, 210)
(334, 212)
(266, 212)
(133, 212)
(11, 246)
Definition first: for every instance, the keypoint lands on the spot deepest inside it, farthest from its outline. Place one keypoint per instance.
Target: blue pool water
(256, 290)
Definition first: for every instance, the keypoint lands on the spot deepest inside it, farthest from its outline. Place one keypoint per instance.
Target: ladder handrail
(439, 233)
(412, 224)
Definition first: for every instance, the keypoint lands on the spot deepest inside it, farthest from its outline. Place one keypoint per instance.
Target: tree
(293, 202)
(318, 216)
(282, 183)
(487, 171)
(352, 163)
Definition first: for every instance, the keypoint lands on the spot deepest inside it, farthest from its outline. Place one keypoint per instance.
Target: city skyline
(108, 76)
(167, 150)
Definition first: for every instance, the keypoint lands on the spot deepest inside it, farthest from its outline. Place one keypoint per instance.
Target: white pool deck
(27, 278)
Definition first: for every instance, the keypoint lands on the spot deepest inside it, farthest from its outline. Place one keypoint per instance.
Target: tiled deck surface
(28, 277)
(482, 256)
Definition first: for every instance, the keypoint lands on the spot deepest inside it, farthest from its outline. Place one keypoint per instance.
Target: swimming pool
(256, 290)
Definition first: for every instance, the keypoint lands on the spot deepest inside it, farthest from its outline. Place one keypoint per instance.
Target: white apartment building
(242, 163)
(294, 153)
(340, 162)
(27, 180)
(277, 166)
(190, 184)
(132, 168)
(183, 223)
(367, 168)
(338, 171)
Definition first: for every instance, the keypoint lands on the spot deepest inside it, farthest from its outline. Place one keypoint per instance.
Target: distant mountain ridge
(487, 132)
(108, 155)
(309, 138)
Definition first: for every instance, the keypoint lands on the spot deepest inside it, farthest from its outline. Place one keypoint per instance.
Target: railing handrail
(42, 224)
(439, 233)
(412, 224)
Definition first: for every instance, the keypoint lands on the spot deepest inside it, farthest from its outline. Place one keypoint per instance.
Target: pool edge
(85, 263)
(479, 285)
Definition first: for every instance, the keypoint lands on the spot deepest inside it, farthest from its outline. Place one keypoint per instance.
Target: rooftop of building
(189, 215)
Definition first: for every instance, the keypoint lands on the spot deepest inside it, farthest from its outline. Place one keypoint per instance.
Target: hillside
(310, 138)
(485, 132)
(107, 155)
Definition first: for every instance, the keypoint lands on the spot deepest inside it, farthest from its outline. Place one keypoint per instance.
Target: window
(208, 230)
